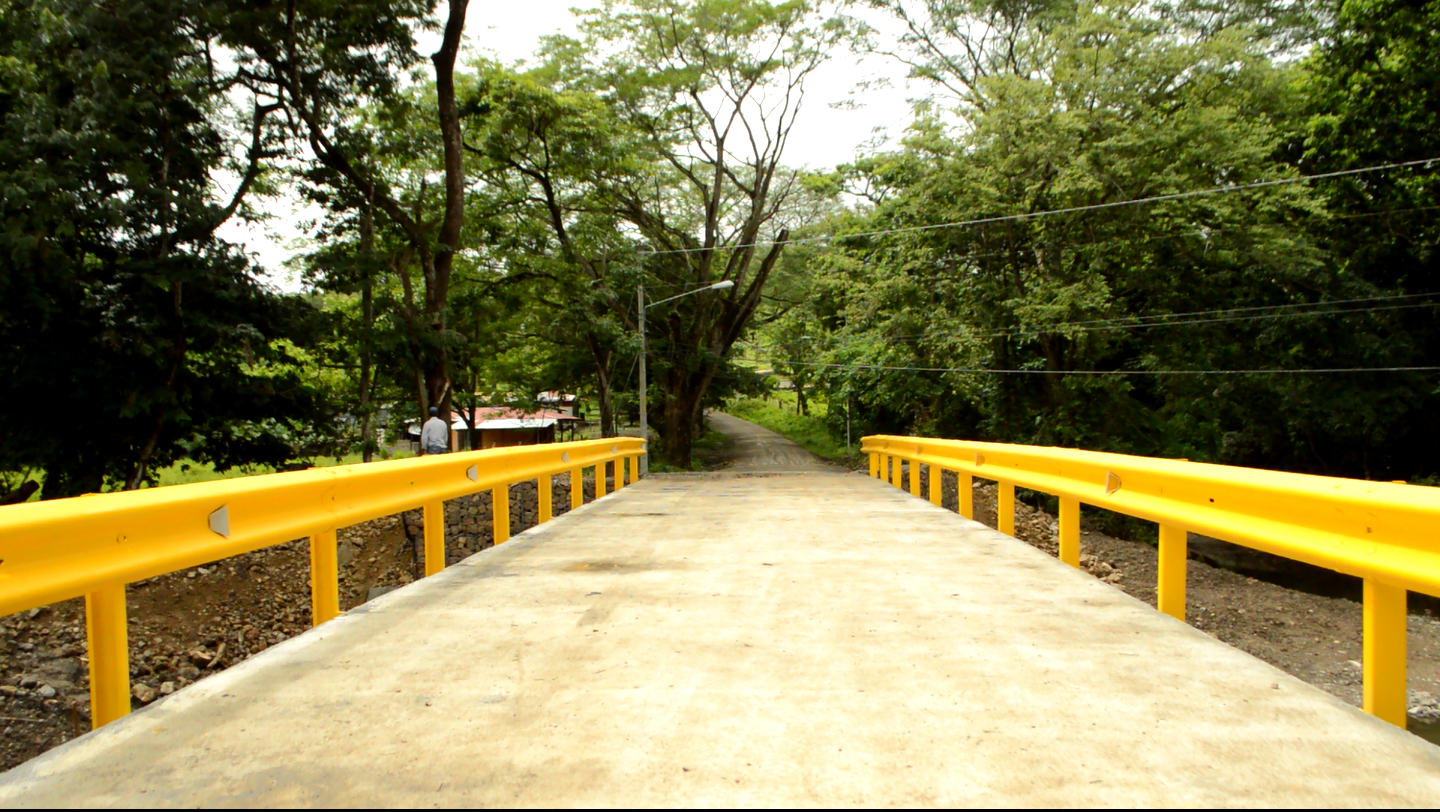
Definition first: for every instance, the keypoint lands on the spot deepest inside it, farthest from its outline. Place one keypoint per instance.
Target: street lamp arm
(726, 285)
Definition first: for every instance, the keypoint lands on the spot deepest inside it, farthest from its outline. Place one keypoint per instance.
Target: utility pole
(644, 419)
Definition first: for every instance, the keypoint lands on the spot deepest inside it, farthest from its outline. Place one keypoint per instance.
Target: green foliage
(701, 95)
(1066, 106)
(130, 334)
(185, 472)
(650, 151)
(1373, 100)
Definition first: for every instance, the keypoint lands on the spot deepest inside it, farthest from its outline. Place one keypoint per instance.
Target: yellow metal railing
(1386, 533)
(93, 546)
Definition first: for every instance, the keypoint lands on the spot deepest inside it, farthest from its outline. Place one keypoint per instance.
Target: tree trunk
(20, 494)
(607, 408)
(367, 319)
(680, 422)
(437, 277)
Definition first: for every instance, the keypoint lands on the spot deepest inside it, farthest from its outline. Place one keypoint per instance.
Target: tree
(130, 334)
(324, 61)
(1373, 100)
(1108, 104)
(712, 89)
(548, 155)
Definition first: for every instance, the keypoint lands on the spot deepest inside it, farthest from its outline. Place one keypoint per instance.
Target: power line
(1100, 372)
(1055, 212)
(1259, 308)
(1194, 317)
(1108, 325)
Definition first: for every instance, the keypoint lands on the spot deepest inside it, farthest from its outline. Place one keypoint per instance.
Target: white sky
(824, 135)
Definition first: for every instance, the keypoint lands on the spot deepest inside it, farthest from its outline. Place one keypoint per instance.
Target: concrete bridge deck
(806, 639)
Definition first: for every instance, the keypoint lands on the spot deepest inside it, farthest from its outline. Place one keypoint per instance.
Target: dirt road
(758, 450)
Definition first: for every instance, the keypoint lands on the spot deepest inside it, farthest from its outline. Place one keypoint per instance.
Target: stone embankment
(188, 625)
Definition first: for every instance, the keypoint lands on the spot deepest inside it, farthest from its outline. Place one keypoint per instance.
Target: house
(560, 402)
(504, 426)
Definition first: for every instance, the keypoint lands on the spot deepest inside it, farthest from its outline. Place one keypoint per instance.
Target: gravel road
(758, 450)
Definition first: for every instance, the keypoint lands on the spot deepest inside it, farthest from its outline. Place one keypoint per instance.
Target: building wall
(504, 438)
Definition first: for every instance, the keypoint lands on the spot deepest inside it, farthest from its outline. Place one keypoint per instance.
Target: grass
(810, 431)
(187, 472)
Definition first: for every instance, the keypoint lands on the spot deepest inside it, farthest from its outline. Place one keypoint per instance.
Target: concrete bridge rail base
(808, 639)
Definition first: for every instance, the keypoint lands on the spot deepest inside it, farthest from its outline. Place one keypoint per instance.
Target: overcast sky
(824, 135)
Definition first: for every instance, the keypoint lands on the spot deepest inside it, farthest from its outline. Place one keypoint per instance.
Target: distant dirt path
(759, 450)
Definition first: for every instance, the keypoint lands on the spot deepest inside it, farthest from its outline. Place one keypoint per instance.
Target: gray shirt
(435, 436)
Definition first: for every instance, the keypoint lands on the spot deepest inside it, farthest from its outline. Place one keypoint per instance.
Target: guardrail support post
(1005, 507)
(1070, 531)
(601, 475)
(434, 537)
(545, 490)
(108, 642)
(874, 465)
(325, 577)
(915, 478)
(965, 494)
(1384, 688)
(1170, 591)
(500, 509)
(935, 489)
(577, 487)
(895, 466)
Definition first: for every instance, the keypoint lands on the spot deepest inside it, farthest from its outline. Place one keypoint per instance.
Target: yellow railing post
(1170, 591)
(577, 487)
(545, 490)
(434, 537)
(935, 488)
(1070, 530)
(109, 645)
(965, 493)
(601, 475)
(914, 478)
(324, 577)
(874, 465)
(895, 466)
(1384, 622)
(1005, 507)
(500, 510)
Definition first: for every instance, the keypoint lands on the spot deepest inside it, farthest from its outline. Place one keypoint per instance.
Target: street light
(641, 307)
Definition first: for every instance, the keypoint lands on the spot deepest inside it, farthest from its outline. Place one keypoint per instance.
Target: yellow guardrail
(94, 545)
(1386, 533)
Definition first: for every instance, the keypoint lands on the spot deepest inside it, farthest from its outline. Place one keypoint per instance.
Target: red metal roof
(483, 413)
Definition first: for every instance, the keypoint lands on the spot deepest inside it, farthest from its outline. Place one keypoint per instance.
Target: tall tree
(713, 88)
(1110, 102)
(1374, 100)
(130, 333)
(325, 61)
(549, 155)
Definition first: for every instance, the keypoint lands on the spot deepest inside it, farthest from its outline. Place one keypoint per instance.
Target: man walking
(435, 435)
